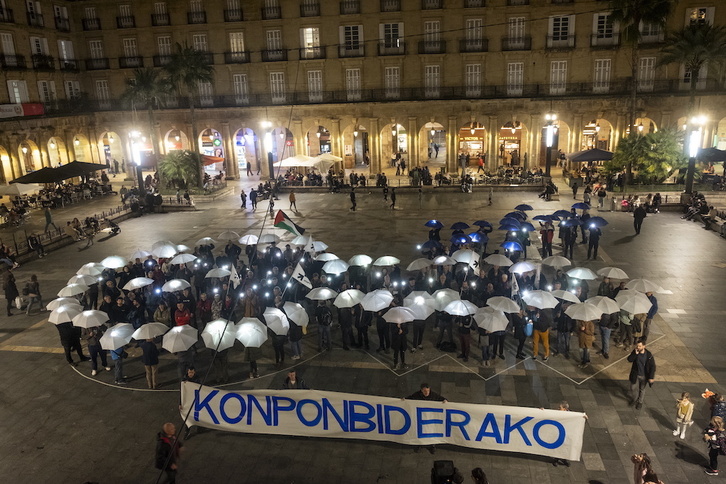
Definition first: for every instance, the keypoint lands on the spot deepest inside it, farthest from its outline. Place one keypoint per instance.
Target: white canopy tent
(317, 163)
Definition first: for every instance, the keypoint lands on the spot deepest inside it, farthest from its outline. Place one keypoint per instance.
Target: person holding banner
(425, 394)
(293, 382)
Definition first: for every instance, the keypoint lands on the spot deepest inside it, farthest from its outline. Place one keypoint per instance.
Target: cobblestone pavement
(60, 424)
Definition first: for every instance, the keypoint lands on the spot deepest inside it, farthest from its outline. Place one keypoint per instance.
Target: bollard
(613, 204)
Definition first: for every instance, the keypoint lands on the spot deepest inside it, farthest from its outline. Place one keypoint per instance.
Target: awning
(711, 155)
(63, 172)
(210, 160)
(44, 175)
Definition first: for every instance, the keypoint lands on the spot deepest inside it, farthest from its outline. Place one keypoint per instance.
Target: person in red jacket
(548, 234)
(182, 315)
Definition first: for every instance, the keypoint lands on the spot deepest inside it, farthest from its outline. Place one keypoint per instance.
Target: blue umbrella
(431, 244)
(571, 222)
(581, 206)
(461, 239)
(518, 215)
(513, 228)
(434, 224)
(511, 246)
(523, 207)
(510, 221)
(478, 238)
(598, 221)
(482, 223)
(563, 214)
(527, 226)
(542, 218)
(459, 226)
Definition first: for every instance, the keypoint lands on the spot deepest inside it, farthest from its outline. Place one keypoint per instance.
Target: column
(452, 148)
(413, 142)
(336, 146)
(577, 132)
(618, 132)
(230, 159)
(299, 137)
(493, 151)
(15, 162)
(533, 157)
(44, 155)
(68, 145)
(160, 148)
(93, 145)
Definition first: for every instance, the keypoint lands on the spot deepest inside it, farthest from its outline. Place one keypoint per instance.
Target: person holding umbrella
(93, 339)
(593, 241)
(399, 332)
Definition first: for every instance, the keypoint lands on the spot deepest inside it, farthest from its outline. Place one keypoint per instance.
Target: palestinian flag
(282, 221)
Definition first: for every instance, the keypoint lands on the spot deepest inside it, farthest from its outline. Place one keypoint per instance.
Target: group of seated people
(293, 177)
(15, 215)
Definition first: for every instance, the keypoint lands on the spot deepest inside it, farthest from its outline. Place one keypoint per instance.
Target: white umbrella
(117, 336)
(442, 297)
(83, 280)
(321, 294)
(565, 295)
(326, 256)
(219, 334)
(607, 305)
(114, 262)
(522, 267)
(182, 248)
(582, 273)
(612, 272)
(301, 240)
(643, 285)
(421, 303)
(206, 241)
(633, 302)
(418, 264)
(175, 285)
(443, 260)
(19, 189)
(218, 273)
(164, 251)
(183, 259)
(180, 338)
(268, 239)
(228, 235)
(556, 261)
(491, 319)
(348, 298)
(377, 300)
(503, 304)
(90, 319)
(91, 269)
(249, 239)
(251, 332)
(72, 290)
(466, 256)
(319, 246)
(276, 321)
(386, 260)
(296, 313)
(399, 315)
(360, 260)
(498, 260)
(150, 331)
(584, 311)
(140, 254)
(540, 299)
(336, 266)
(63, 301)
(160, 243)
(64, 314)
(137, 283)
(460, 308)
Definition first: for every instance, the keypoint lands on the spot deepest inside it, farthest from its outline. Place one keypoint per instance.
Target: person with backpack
(715, 436)
(324, 318)
(168, 450)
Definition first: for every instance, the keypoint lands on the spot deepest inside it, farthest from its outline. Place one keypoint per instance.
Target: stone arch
(318, 140)
(356, 148)
(29, 156)
(432, 135)
(81, 148)
(247, 150)
(176, 139)
(648, 125)
(598, 133)
(512, 142)
(57, 152)
(394, 140)
(110, 145)
(211, 143)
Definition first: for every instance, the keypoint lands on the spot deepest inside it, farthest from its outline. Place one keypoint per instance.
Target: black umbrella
(77, 168)
(44, 175)
(711, 154)
(590, 155)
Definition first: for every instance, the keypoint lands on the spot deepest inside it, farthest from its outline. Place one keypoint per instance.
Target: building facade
(361, 79)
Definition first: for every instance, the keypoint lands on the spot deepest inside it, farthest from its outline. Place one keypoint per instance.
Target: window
(561, 32)
(35, 16)
(160, 8)
(351, 40)
(686, 77)
(601, 83)
(650, 32)
(472, 78)
(200, 42)
(60, 12)
(603, 26)
(8, 46)
(196, 6)
(310, 42)
(65, 50)
(474, 29)
(241, 89)
(392, 34)
(392, 82)
(72, 89)
(124, 11)
(699, 15)
(160, 15)
(90, 13)
(39, 45)
(163, 44)
(274, 40)
(352, 84)
(46, 91)
(515, 78)
(432, 31)
(130, 49)
(102, 93)
(206, 96)
(277, 87)
(95, 49)
(516, 29)
(18, 92)
(646, 73)
(315, 86)
(432, 81)
(558, 77)
(236, 42)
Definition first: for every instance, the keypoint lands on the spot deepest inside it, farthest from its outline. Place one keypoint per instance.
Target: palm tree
(181, 168)
(694, 47)
(630, 15)
(147, 89)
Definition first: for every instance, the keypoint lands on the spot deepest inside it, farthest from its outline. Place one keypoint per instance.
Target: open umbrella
(175, 285)
(113, 262)
(642, 285)
(421, 303)
(556, 261)
(581, 206)
(321, 294)
(511, 246)
(593, 154)
(503, 304)
(582, 273)
(459, 226)
(522, 267)
(301, 240)
(64, 314)
(460, 239)
(443, 297)
(482, 223)
(319, 246)
(326, 256)
(633, 302)
(180, 338)
(399, 315)
(360, 260)
(527, 227)
(348, 298)
(218, 273)
(140, 254)
(434, 224)
(336, 266)
(377, 300)
(150, 331)
(296, 313)
(604, 303)
(206, 241)
(498, 260)
(249, 239)
(523, 207)
(543, 218)
(491, 319)
(117, 336)
(563, 214)
(160, 243)
(431, 244)
(509, 227)
(251, 332)
(418, 264)
(565, 296)
(466, 256)
(183, 259)
(612, 272)
(478, 238)
(83, 280)
(597, 221)
(90, 319)
(63, 301)
(137, 283)
(229, 235)
(584, 311)
(387, 260)
(182, 248)
(443, 260)
(460, 308)
(540, 299)
(510, 221)
(219, 334)
(277, 321)
(72, 290)
(164, 251)
(91, 269)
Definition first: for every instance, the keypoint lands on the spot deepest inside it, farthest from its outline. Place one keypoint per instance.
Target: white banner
(313, 413)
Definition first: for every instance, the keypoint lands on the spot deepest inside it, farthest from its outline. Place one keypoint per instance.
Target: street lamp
(693, 145)
(136, 157)
(550, 130)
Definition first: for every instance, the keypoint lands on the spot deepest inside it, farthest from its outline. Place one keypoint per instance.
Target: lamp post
(136, 157)
(693, 142)
(550, 130)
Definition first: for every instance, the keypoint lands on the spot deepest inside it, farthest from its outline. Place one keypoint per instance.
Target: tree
(181, 168)
(654, 156)
(146, 90)
(630, 15)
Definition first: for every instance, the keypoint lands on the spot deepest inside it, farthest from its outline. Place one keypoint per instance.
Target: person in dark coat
(167, 451)
(345, 318)
(70, 338)
(352, 199)
(11, 290)
(638, 216)
(425, 394)
(399, 343)
(292, 382)
(642, 371)
(150, 359)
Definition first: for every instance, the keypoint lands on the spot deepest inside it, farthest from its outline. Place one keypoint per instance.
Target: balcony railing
(160, 19)
(6, 15)
(161, 60)
(517, 43)
(69, 65)
(432, 4)
(349, 7)
(432, 46)
(131, 62)
(391, 49)
(390, 5)
(233, 15)
(351, 50)
(43, 62)
(514, 3)
(62, 24)
(196, 17)
(97, 64)
(208, 57)
(35, 19)
(236, 57)
(126, 22)
(598, 41)
(271, 13)
(274, 55)
(312, 52)
(474, 45)
(91, 23)
(474, 3)
(562, 1)
(12, 62)
(561, 42)
(652, 39)
(311, 9)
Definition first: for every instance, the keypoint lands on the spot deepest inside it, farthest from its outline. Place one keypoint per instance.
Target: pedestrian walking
(49, 220)
(70, 338)
(642, 372)
(168, 451)
(11, 290)
(575, 186)
(243, 199)
(253, 199)
(593, 242)
(385, 193)
(293, 200)
(118, 356)
(684, 415)
(651, 314)
(393, 198)
(249, 169)
(32, 292)
(639, 215)
(420, 197)
(352, 199)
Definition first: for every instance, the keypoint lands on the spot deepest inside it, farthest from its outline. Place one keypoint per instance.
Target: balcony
(35, 19)
(131, 62)
(233, 15)
(474, 45)
(515, 3)
(69, 65)
(97, 64)
(91, 23)
(394, 48)
(517, 43)
(12, 62)
(349, 7)
(474, 3)
(274, 55)
(562, 2)
(43, 62)
(271, 13)
(652, 38)
(316, 52)
(126, 22)
(390, 5)
(160, 19)
(310, 9)
(236, 57)
(561, 42)
(6, 15)
(357, 50)
(62, 24)
(432, 4)
(161, 60)
(432, 47)
(196, 18)
(599, 41)
(208, 57)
